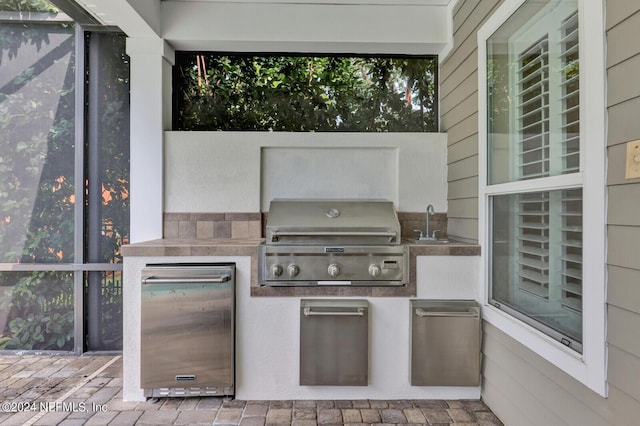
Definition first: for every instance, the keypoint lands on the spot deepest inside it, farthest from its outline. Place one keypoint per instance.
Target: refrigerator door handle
(217, 279)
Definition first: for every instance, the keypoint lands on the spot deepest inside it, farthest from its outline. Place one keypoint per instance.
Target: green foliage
(111, 195)
(41, 312)
(37, 115)
(28, 6)
(283, 93)
(37, 185)
(13, 36)
(111, 313)
(498, 94)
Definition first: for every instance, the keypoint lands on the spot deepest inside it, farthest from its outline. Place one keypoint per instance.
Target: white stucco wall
(243, 171)
(151, 65)
(267, 335)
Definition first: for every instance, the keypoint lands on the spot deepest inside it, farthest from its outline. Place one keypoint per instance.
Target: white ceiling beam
(136, 18)
(374, 27)
(308, 27)
(343, 2)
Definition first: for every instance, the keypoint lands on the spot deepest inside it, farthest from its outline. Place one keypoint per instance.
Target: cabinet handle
(357, 313)
(469, 313)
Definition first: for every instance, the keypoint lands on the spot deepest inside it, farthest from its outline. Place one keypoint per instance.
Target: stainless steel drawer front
(445, 343)
(334, 342)
(187, 333)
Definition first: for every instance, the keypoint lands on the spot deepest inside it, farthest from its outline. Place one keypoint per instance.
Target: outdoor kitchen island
(267, 319)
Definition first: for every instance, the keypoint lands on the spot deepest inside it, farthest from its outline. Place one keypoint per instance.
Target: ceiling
(328, 26)
(362, 2)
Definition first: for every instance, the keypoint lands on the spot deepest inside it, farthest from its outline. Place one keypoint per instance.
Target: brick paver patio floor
(87, 390)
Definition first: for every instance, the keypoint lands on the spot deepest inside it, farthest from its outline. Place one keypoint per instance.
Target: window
(536, 273)
(304, 93)
(543, 265)
(537, 260)
(60, 258)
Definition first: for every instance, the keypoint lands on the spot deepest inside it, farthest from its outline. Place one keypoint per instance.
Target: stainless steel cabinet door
(445, 343)
(334, 342)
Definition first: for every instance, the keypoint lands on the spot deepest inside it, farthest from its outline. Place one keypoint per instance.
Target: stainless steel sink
(427, 242)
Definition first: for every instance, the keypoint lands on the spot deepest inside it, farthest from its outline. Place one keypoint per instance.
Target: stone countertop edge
(238, 246)
(194, 247)
(248, 247)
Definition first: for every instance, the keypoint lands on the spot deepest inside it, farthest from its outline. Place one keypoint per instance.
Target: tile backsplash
(251, 225)
(212, 225)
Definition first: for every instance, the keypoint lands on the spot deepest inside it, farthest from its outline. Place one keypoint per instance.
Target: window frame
(588, 367)
(534, 155)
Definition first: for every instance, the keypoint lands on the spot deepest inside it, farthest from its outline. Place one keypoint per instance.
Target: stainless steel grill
(333, 242)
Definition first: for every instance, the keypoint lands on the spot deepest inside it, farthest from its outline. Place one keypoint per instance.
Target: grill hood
(332, 221)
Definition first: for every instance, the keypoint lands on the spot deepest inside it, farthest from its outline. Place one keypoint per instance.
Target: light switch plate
(633, 160)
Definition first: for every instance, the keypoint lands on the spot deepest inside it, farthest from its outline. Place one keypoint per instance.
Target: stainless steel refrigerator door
(188, 331)
(334, 342)
(445, 343)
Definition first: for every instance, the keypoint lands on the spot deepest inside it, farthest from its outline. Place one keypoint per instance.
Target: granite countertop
(243, 247)
(194, 247)
(249, 247)
(451, 248)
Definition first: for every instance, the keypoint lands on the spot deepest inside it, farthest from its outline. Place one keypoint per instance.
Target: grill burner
(333, 242)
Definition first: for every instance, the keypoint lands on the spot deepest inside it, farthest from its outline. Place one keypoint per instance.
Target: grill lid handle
(275, 235)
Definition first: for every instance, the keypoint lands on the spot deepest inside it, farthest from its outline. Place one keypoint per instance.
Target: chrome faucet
(426, 236)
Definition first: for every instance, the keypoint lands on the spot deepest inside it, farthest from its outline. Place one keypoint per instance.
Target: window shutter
(572, 249)
(533, 126)
(533, 243)
(533, 111)
(571, 199)
(538, 269)
(570, 94)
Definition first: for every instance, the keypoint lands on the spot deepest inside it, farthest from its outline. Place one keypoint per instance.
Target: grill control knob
(334, 270)
(276, 270)
(375, 270)
(293, 270)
